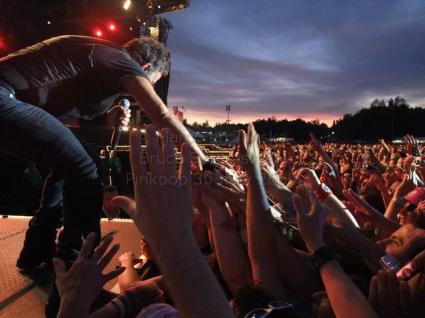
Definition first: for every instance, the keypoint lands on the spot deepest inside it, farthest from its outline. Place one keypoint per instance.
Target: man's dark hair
(146, 50)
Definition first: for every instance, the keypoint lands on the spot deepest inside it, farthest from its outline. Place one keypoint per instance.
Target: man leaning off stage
(73, 77)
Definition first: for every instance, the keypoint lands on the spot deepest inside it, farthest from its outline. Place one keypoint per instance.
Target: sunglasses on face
(272, 307)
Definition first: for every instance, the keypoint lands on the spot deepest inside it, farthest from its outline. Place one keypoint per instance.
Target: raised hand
(404, 187)
(163, 196)
(249, 155)
(411, 145)
(314, 143)
(310, 178)
(82, 283)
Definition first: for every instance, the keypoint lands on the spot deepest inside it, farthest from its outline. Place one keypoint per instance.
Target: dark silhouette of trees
(394, 119)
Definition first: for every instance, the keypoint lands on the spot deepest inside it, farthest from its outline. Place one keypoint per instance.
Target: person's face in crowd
(284, 170)
(405, 243)
(346, 180)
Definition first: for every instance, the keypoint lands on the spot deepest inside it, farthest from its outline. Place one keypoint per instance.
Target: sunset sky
(295, 58)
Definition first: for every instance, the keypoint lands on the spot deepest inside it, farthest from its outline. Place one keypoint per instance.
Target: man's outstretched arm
(144, 94)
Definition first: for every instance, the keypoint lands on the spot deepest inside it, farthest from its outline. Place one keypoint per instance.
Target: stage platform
(24, 295)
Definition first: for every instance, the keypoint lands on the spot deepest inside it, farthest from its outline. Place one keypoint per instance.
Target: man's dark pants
(33, 134)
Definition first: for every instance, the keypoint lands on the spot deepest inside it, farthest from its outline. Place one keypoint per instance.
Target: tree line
(382, 119)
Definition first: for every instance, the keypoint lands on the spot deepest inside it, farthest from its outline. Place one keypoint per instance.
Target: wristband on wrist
(321, 256)
(323, 192)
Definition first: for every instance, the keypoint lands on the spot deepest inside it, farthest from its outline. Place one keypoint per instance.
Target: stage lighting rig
(162, 6)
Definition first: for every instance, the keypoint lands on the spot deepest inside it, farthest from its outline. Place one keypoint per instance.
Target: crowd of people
(212, 245)
(275, 230)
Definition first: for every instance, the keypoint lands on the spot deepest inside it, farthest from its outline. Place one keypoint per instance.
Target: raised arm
(260, 229)
(231, 254)
(337, 209)
(163, 214)
(346, 299)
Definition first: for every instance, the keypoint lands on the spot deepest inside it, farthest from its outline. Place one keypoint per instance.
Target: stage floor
(25, 296)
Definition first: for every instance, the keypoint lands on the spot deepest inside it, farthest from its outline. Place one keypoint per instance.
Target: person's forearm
(340, 212)
(392, 210)
(346, 299)
(385, 196)
(259, 220)
(231, 255)
(195, 290)
(145, 95)
(284, 196)
(170, 121)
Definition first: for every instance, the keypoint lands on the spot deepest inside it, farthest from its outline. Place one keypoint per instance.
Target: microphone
(116, 134)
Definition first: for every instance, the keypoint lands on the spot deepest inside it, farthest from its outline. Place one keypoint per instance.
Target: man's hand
(118, 115)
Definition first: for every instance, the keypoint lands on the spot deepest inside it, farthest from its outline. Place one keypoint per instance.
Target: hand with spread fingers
(163, 195)
(163, 214)
(81, 284)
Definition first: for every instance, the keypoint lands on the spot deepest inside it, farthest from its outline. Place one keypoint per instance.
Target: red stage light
(112, 26)
(98, 33)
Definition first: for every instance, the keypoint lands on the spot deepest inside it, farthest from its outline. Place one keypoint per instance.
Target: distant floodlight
(126, 4)
(49, 22)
